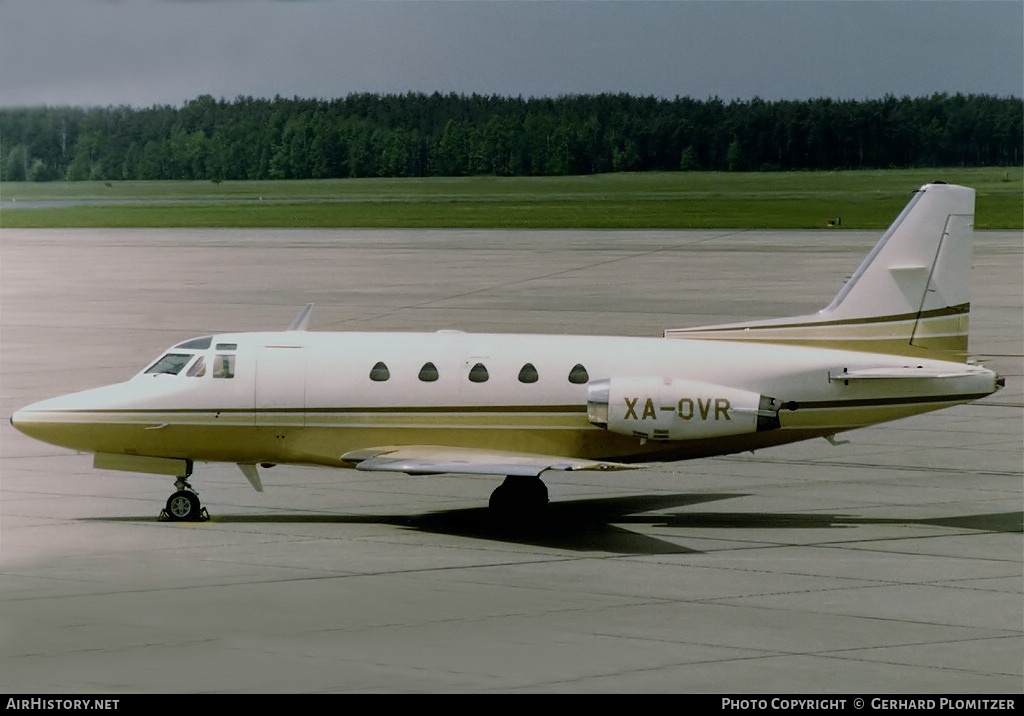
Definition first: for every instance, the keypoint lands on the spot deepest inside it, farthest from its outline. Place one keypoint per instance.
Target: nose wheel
(184, 505)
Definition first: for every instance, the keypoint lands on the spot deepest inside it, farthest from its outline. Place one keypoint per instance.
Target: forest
(417, 135)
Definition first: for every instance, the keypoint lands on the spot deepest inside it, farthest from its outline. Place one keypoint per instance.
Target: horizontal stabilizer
(437, 459)
(907, 373)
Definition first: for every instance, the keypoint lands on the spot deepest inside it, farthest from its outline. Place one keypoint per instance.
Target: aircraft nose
(68, 420)
(23, 418)
(18, 419)
(32, 420)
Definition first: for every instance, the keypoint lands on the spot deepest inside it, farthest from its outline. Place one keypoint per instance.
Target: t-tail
(910, 296)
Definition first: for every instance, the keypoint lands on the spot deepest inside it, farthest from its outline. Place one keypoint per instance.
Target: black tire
(519, 497)
(499, 502)
(183, 505)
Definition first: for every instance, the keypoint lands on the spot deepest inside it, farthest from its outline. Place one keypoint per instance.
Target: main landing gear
(519, 497)
(184, 505)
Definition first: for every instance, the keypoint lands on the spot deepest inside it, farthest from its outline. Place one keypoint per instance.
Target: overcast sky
(145, 52)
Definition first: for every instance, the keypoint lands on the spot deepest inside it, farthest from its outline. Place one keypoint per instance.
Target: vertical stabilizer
(910, 295)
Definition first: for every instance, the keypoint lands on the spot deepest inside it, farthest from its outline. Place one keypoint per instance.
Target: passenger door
(280, 392)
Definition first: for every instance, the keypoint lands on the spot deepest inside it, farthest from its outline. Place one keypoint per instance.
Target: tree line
(410, 135)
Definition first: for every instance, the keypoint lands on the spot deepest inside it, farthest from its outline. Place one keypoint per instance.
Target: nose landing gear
(184, 505)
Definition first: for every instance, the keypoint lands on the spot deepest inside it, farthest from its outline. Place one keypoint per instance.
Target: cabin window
(171, 364)
(224, 366)
(198, 369)
(227, 346)
(528, 374)
(197, 344)
(478, 373)
(428, 373)
(578, 374)
(379, 372)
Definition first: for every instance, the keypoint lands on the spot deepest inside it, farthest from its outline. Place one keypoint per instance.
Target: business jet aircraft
(892, 343)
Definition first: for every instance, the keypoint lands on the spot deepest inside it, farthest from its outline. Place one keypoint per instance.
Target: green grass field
(684, 200)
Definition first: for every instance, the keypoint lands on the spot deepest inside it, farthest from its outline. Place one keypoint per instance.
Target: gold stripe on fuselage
(940, 331)
(321, 436)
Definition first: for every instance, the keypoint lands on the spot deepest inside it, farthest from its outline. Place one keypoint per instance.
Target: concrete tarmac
(889, 564)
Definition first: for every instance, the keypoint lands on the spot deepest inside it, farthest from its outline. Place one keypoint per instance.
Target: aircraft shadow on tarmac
(602, 524)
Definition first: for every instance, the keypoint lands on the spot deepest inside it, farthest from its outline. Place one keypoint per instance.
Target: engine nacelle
(677, 409)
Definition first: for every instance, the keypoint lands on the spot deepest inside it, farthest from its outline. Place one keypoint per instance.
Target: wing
(436, 459)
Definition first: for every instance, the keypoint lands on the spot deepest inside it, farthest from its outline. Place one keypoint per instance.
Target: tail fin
(910, 295)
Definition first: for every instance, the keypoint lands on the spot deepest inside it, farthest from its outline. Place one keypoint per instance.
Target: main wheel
(519, 497)
(183, 505)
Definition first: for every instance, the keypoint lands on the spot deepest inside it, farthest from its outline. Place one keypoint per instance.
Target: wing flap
(437, 459)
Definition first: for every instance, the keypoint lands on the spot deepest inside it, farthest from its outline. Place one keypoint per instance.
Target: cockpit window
(172, 363)
(197, 344)
(224, 366)
(198, 369)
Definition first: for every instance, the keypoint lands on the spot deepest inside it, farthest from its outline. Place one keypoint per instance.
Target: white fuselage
(312, 397)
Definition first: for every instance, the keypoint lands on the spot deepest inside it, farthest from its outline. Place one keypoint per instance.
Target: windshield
(194, 359)
(172, 363)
